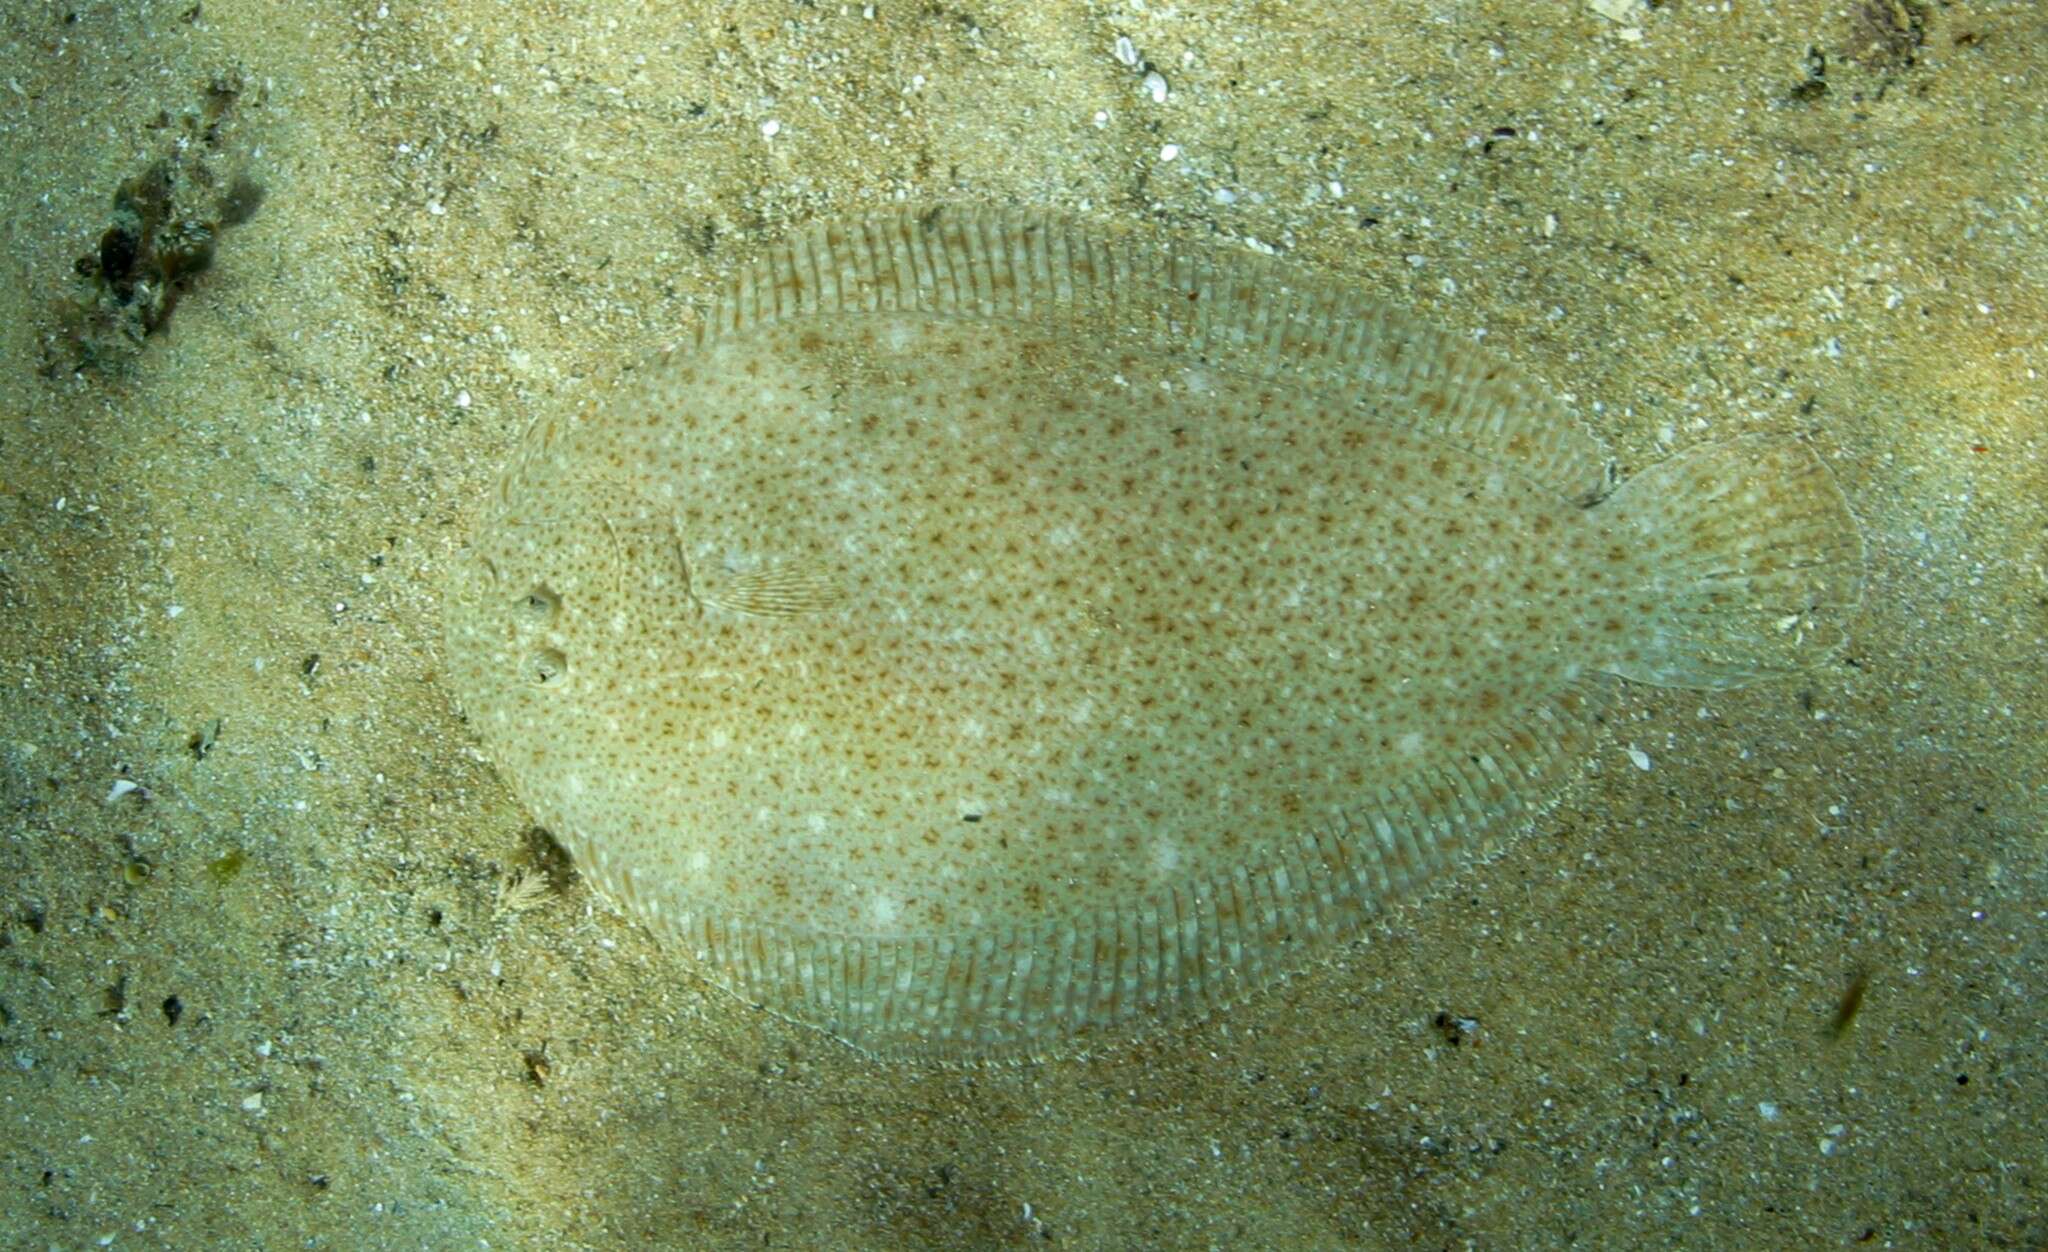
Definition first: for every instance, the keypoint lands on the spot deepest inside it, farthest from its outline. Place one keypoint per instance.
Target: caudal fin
(1755, 562)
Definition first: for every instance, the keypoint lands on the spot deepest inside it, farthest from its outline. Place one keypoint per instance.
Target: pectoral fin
(784, 590)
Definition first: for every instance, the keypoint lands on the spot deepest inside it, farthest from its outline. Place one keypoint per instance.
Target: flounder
(989, 633)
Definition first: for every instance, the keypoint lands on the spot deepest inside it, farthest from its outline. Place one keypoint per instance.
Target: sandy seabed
(262, 980)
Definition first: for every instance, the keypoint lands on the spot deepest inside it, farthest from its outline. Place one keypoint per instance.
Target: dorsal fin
(1241, 312)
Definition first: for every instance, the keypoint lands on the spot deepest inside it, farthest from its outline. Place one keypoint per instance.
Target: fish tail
(1753, 562)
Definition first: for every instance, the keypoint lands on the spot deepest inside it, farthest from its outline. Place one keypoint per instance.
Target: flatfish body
(990, 633)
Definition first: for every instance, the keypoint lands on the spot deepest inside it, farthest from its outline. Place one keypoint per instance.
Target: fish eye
(541, 603)
(547, 667)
